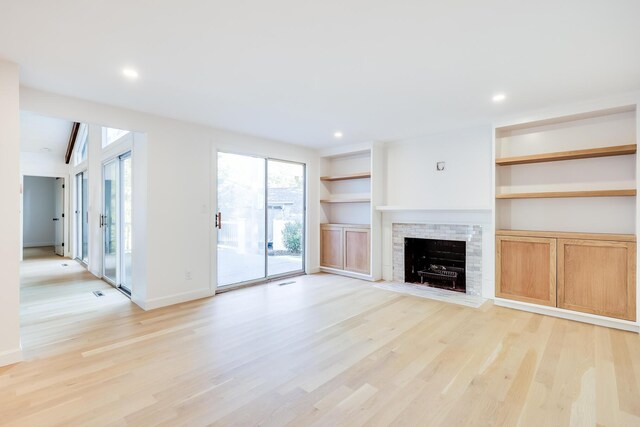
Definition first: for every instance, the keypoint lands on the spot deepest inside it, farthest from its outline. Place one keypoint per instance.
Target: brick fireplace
(466, 241)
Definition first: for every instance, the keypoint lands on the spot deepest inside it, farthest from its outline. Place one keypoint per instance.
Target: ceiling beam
(72, 141)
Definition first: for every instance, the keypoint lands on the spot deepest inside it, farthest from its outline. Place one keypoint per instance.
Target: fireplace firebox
(435, 263)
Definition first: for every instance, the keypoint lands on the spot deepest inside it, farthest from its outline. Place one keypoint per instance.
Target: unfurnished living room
(296, 213)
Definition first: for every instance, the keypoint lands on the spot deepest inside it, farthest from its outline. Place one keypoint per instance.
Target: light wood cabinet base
(345, 247)
(595, 276)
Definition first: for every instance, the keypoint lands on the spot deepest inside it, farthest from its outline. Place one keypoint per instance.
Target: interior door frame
(214, 235)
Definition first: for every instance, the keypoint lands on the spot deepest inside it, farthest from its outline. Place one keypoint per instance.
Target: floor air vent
(286, 283)
(98, 294)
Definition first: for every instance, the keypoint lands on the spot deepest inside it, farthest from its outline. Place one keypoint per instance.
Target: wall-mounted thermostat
(440, 166)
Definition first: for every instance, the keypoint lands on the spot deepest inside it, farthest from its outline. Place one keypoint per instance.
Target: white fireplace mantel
(399, 208)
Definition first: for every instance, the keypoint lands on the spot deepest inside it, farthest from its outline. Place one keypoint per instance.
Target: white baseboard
(37, 245)
(10, 357)
(593, 319)
(347, 273)
(313, 270)
(154, 303)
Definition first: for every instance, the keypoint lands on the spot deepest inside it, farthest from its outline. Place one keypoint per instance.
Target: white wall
(180, 191)
(10, 351)
(412, 178)
(39, 202)
(461, 194)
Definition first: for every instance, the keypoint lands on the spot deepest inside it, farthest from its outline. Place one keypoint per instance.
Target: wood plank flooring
(326, 350)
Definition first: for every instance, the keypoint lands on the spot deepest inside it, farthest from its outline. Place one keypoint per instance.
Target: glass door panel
(241, 221)
(285, 220)
(82, 217)
(127, 219)
(109, 221)
(85, 218)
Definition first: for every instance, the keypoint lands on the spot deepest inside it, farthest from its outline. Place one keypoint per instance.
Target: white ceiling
(39, 132)
(298, 70)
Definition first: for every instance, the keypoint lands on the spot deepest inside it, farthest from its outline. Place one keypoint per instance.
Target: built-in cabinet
(586, 273)
(345, 247)
(526, 269)
(349, 191)
(597, 277)
(566, 212)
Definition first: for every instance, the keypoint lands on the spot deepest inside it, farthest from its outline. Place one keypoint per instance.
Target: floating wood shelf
(619, 150)
(345, 200)
(559, 194)
(568, 235)
(346, 177)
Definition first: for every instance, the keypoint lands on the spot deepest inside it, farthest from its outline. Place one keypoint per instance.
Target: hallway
(56, 297)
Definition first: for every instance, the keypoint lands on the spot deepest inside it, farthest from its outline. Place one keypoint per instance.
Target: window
(111, 135)
(82, 145)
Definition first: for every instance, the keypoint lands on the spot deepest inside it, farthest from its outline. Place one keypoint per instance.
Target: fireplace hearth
(435, 263)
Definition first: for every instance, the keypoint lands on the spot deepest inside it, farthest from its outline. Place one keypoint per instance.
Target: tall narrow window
(82, 146)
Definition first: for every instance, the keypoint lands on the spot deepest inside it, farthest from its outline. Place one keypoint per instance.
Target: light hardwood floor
(325, 350)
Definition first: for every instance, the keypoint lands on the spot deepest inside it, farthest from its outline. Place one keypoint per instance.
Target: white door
(59, 217)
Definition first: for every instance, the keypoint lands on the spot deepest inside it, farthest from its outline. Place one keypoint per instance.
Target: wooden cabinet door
(331, 254)
(356, 250)
(597, 277)
(526, 269)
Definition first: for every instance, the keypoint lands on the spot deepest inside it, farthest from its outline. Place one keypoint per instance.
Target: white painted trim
(611, 102)
(37, 244)
(154, 303)
(431, 209)
(347, 273)
(345, 150)
(10, 357)
(570, 315)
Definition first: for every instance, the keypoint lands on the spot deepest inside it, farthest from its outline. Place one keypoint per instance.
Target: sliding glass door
(260, 220)
(116, 220)
(82, 217)
(285, 217)
(240, 219)
(109, 222)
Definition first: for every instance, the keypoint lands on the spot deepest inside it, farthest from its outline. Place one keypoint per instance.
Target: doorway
(116, 222)
(43, 213)
(260, 220)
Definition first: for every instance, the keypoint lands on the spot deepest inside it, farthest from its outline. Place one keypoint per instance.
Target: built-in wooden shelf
(354, 200)
(346, 225)
(568, 235)
(618, 150)
(560, 194)
(346, 177)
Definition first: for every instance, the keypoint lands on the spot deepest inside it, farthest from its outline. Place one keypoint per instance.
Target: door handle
(219, 221)
(56, 219)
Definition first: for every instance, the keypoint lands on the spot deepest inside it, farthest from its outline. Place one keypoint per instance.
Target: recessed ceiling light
(45, 149)
(337, 135)
(130, 73)
(499, 97)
